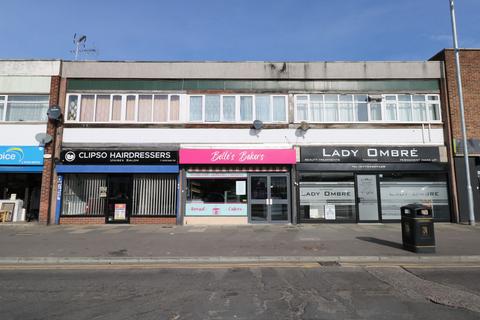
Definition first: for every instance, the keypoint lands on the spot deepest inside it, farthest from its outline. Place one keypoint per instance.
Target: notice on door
(120, 211)
(329, 212)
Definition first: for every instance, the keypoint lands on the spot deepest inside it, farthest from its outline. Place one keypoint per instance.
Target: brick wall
(133, 220)
(470, 67)
(82, 220)
(153, 220)
(46, 187)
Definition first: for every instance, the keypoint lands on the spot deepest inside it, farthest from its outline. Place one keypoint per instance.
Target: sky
(236, 30)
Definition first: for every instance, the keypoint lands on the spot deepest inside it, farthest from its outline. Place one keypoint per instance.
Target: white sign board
(241, 188)
(329, 212)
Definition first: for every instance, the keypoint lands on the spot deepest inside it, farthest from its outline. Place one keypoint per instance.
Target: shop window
(216, 191)
(24, 108)
(154, 195)
(82, 195)
(399, 189)
(327, 196)
(219, 196)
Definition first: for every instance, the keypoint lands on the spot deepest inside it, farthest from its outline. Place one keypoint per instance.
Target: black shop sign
(118, 157)
(369, 154)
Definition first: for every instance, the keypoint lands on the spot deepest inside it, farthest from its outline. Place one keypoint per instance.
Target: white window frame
(383, 108)
(124, 107)
(237, 108)
(5, 106)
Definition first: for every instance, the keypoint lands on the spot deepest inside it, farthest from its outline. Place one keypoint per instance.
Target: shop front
(20, 182)
(237, 186)
(370, 184)
(117, 186)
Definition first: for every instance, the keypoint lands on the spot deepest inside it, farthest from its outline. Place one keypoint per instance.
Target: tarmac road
(285, 291)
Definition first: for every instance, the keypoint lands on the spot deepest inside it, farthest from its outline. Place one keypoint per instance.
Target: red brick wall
(470, 67)
(133, 220)
(46, 187)
(82, 220)
(153, 220)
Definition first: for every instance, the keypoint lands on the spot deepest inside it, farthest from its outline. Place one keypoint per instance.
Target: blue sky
(232, 30)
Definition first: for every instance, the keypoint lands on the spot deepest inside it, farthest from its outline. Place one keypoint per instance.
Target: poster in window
(241, 188)
(329, 212)
(120, 211)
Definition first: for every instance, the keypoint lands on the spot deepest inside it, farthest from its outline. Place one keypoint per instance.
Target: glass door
(269, 198)
(119, 198)
(367, 197)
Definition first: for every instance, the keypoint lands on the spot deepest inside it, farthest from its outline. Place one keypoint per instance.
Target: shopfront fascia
(237, 186)
(117, 186)
(20, 181)
(370, 183)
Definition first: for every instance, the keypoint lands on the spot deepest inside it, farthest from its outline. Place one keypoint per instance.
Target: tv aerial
(80, 49)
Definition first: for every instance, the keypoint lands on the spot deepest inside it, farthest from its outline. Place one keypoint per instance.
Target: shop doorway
(269, 198)
(367, 198)
(119, 200)
(25, 187)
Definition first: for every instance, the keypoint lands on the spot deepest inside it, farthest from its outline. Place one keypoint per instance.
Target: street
(297, 291)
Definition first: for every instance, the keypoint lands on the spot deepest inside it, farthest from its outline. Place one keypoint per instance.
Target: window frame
(428, 103)
(237, 108)
(123, 110)
(4, 101)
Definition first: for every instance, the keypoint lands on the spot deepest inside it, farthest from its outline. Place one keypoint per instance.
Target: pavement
(163, 244)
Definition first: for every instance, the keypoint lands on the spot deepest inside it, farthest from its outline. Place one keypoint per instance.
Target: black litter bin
(417, 228)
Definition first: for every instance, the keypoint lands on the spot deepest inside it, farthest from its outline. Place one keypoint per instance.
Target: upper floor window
(237, 108)
(24, 108)
(363, 108)
(124, 107)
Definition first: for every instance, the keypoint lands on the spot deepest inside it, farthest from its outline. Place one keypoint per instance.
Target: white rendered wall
(30, 85)
(206, 136)
(20, 134)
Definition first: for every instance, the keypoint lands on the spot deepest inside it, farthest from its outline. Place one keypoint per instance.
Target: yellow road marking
(308, 265)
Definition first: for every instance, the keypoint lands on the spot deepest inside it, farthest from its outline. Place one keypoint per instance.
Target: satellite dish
(43, 138)
(257, 125)
(304, 125)
(54, 113)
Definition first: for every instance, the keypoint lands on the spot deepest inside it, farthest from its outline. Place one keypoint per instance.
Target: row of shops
(241, 186)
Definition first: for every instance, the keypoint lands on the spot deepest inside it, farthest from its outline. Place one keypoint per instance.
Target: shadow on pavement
(382, 242)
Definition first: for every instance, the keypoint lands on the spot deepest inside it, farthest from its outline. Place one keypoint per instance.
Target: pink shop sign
(238, 156)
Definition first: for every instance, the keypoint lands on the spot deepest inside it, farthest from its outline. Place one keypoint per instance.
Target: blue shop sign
(21, 155)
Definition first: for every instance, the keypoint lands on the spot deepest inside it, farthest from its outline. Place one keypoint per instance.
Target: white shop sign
(326, 193)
